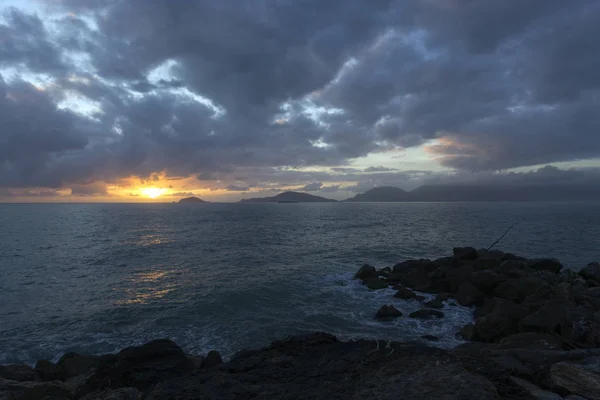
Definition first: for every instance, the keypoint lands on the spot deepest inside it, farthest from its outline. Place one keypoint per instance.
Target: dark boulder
(435, 303)
(376, 283)
(48, 371)
(417, 278)
(365, 272)
(486, 280)
(465, 253)
(532, 341)
(384, 272)
(545, 264)
(456, 276)
(485, 308)
(468, 294)
(555, 316)
(518, 289)
(571, 378)
(117, 394)
(387, 312)
(482, 264)
(17, 372)
(591, 271)
(426, 313)
(431, 338)
(73, 364)
(468, 332)
(213, 358)
(407, 266)
(404, 293)
(504, 320)
(140, 367)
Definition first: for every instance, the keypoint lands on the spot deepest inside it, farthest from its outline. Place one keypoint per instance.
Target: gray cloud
(311, 187)
(266, 85)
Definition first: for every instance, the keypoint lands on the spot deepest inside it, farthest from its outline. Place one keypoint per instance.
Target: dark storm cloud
(500, 84)
(25, 41)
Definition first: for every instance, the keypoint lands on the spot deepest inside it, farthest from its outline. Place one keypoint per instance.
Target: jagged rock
(404, 293)
(426, 314)
(213, 358)
(48, 371)
(117, 394)
(486, 280)
(29, 390)
(535, 391)
(387, 312)
(365, 272)
(468, 294)
(376, 283)
(17, 372)
(574, 379)
(591, 271)
(464, 253)
(139, 367)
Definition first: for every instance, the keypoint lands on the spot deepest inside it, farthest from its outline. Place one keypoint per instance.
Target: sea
(95, 278)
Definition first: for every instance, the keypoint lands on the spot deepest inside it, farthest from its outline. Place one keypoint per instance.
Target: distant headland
(290, 197)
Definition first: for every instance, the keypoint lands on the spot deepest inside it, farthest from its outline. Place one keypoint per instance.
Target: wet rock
(591, 271)
(404, 293)
(419, 297)
(468, 294)
(426, 313)
(435, 303)
(574, 379)
(485, 308)
(486, 280)
(365, 272)
(213, 358)
(48, 371)
(535, 391)
(388, 312)
(545, 264)
(118, 394)
(430, 338)
(376, 283)
(17, 372)
(464, 253)
(139, 367)
(416, 278)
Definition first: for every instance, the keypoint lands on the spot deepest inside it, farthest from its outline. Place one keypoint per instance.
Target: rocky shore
(536, 335)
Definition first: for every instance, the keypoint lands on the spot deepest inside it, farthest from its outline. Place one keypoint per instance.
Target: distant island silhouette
(289, 197)
(192, 200)
(451, 193)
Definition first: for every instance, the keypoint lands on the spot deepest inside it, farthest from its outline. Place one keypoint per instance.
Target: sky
(154, 100)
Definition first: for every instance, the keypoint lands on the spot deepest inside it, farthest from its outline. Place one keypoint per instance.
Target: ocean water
(95, 278)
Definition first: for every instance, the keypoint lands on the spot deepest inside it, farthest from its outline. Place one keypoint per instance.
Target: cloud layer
(241, 94)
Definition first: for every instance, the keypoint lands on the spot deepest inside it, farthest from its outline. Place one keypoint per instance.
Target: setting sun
(152, 192)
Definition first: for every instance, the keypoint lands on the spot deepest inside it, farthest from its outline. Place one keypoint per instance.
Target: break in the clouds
(253, 94)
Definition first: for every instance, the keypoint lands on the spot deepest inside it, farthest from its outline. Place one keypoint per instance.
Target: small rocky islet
(535, 335)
